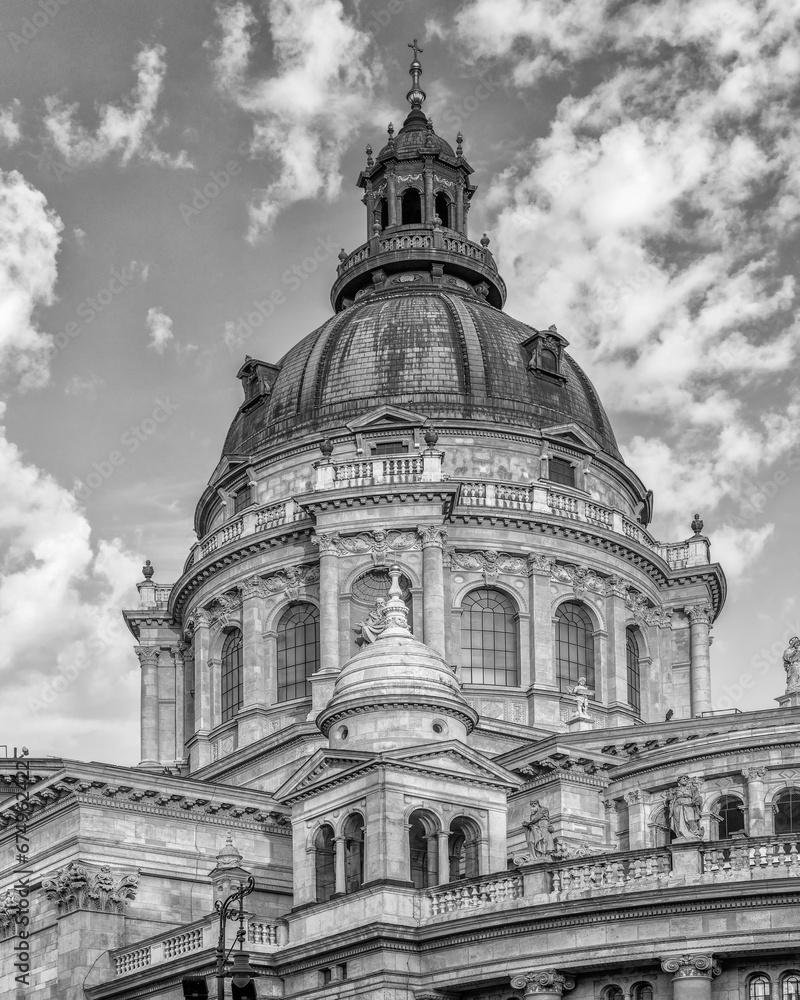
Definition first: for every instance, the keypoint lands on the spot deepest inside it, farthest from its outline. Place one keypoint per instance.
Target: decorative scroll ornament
(382, 544)
(490, 562)
(660, 617)
(148, 655)
(199, 618)
(754, 773)
(10, 909)
(224, 610)
(691, 966)
(329, 544)
(580, 578)
(699, 613)
(432, 535)
(540, 564)
(544, 981)
(635, 795)
(78, 888)
(638, 605)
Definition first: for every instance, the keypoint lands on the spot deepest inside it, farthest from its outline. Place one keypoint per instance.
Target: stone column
(692, 976)
(369, 201)
(432, 858)
(637, 802)
(391, 196)
(700, 671)
(148, 660)
(340, 885)
(427, 178)
(433, 614)
(542, 670)
(180, 699)
(459, 207)
(443, 838)
(323, 680)
(253, 654)
(756, 810)
(202, 672)
(543, 984)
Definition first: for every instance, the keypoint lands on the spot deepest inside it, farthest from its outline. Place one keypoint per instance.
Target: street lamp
(229, 877)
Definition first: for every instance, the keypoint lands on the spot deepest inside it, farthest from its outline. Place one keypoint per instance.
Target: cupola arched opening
(634, 670)
(325, 862)
(574, 644)
(786, 809)
(489, 638)
(353, 834)
(411, 207)
(443, 208)
(231, 674)
(729, 813)
(382, 212)
(423, 852)
(298, 651)
(463, 848)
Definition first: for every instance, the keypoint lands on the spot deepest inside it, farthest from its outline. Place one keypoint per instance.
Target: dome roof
(414, 137)
(444, 353)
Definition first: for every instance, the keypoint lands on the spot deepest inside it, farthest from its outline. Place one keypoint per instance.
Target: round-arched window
(641, 991)
(787, 811)
(411, 207)
(574, 646)
(730, 811)
(442, 209)
(298, 651)
(790, 986)
(548, 360)
(488, 638)
(634, 670)
(231, 674)
(759, 987)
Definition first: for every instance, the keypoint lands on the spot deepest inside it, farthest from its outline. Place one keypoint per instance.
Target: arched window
(574, 646)
(325, 863)
(423, 849)
(730, 811)
(298, 651)
(559, 470)
(759, 987)
(790, 986)
(442, 208)
(613, 992)
(641, 991)
(787, 811)
(353, 853)
(548, 361)
(463, 848)
(634, 671)
(383, 209)
(231, 679)
(412, 207)
(376, 583)
(488, 639)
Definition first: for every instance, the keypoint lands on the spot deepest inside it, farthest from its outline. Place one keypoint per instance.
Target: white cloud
(307, 112)
(10, 132)
(65, 652)
(80, 237)
(128, 130)
(654, 216)
(160, 327)
(29, 237)
(83, 385)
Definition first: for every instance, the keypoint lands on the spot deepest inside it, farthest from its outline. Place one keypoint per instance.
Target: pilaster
(756, 809)
(148, 661)
(699, 640)
(433, 538)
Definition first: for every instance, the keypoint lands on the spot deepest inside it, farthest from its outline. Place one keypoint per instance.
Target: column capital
(691, 966)
(754, 773)
(636, 795)
(699, 614)
(542, 981)
(539, 564)
(148, 655)
(432, 535)
(329, 543)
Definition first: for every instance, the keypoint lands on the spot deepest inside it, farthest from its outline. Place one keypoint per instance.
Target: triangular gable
(321, 767)
(572, 434)
(227, 464)
(389, 415)
(454, 758)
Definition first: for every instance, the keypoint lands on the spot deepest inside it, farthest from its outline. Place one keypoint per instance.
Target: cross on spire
(413, 45)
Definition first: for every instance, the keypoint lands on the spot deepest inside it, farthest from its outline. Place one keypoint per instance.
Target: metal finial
(147, 570)
(459, 147)
(416, 95)
(370, 161)
(484, 241)
(390, 130)
(413, 45)
(697, 524)
(343, 255)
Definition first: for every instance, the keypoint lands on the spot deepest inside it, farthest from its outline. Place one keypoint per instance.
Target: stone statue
(374, 624)
(685, 809)
(539, 832)
(791, 664)
(581, 694)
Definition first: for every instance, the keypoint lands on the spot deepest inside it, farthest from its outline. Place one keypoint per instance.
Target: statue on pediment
(373, 625)
(581, 693)
(685, 809)
(791, 664)
(539, 832)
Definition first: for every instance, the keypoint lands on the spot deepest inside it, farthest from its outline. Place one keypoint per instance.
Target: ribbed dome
(414, 137)
(446, 354)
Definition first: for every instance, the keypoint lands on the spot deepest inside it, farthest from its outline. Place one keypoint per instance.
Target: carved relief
(432, 535)
(490, 562)
(224, 610)
(10, 909)
(79, 888)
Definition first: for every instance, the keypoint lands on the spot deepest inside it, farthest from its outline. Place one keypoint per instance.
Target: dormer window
(389, 448)
(548, 359)
(560, 471)
(243, 499)
(545, 354)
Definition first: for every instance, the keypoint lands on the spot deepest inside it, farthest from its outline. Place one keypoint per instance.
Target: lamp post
(229, 875)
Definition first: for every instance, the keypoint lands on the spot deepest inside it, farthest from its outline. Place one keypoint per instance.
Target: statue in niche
(539, 832)
(373, 625)
(581, 693)
(685, 807)
(791, 664)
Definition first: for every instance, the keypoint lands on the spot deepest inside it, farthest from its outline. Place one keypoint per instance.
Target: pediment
(389, 416)
(572, 435)
(453, 758)
(323, 767)
(228, 463)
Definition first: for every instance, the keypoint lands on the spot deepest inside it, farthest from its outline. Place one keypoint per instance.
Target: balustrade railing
(423, 238)
(612, 871)
(476, 893)
(737, 859)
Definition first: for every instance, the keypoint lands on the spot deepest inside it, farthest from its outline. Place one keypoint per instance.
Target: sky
(164, 166)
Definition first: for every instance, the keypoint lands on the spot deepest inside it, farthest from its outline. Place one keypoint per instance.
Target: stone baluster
(699, 637)
(544, 984)
(692, 975)
(148, 660)
(756, 809)
(433, 538)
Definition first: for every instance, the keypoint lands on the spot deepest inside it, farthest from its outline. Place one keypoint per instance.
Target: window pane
(574, 646)
(298, 651)
(231, 674)
(488, 639)
(634, 672)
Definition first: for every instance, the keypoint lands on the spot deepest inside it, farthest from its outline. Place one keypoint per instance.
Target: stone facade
(515, 785)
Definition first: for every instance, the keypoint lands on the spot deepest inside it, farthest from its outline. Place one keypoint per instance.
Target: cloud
(655, 217)
(65, 652)
(160, 327)
(84, 386)
(10, 132)
(80, 237)
(308, 111)
(30, 233)
(128, 130)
